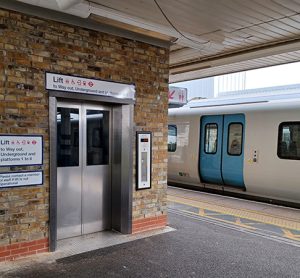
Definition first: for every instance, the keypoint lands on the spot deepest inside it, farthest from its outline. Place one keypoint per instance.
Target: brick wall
(22, 249)
(29, 46)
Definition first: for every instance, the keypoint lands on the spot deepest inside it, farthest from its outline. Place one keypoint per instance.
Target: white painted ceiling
(208, 37)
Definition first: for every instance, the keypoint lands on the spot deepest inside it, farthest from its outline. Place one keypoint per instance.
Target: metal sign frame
(24, 172)
(138, 137)
(89, 86)
(26, 136)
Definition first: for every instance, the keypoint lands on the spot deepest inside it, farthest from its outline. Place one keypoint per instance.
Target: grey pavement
(195, 249)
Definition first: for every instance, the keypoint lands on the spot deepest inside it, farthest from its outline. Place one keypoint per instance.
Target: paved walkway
(77, 245)
(202, 245)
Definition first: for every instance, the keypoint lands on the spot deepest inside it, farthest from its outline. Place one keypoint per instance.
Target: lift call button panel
(144, 146)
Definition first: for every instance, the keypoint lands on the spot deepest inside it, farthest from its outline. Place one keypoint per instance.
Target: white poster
(75, 84)
(19, 150)
(21, 179)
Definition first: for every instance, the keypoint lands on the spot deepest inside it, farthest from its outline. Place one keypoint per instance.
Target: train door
(221, 149)
(211, 149)
(233, 151)
(83, 169)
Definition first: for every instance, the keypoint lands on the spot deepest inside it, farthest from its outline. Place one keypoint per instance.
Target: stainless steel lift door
(96, 176)
(83, 169)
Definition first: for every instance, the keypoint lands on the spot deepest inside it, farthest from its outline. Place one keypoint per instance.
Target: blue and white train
(247, 146)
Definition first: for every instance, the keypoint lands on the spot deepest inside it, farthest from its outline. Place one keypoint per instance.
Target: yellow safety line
(242, 213)
(201, 212)
(227, 206)
(222, 220)
(290, 235)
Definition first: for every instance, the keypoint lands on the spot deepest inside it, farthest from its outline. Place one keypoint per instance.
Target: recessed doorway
(83, 169)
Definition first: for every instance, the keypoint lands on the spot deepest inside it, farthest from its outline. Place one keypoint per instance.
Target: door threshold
(84, 243)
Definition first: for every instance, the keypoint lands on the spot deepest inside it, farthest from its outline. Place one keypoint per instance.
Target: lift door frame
(121, 159)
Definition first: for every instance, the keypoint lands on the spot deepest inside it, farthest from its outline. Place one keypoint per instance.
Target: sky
(266, 77)
(273, 76)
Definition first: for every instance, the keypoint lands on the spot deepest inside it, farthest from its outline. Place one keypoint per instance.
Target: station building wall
(29, 46)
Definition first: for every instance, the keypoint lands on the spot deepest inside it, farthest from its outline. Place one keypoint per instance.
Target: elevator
(91, 159)
(83, 169)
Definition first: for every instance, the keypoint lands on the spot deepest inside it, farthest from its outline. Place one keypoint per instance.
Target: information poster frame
(23, 140)
(23, 184)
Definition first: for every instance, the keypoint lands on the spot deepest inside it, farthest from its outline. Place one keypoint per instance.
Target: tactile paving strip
(237, 212)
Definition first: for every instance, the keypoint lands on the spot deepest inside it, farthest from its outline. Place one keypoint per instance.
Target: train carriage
(249, 146)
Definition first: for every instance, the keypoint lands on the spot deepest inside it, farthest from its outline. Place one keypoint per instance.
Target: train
(247, 147)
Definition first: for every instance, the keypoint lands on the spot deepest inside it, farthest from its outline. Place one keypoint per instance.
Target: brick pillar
(29, 46)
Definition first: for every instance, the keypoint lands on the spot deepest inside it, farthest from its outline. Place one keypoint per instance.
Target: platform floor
(78, 245)
(255, 216)
(213, 236)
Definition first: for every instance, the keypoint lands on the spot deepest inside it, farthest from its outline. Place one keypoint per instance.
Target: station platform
(255, 216)
(210, 236)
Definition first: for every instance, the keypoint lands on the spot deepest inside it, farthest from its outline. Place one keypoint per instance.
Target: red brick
(27, 243)
(5, 253)
(143, 220)
(161, 221)
(144, 224)
(2, 248)
(36, 247)
(13, 246)
(147, 228)
(19, 251)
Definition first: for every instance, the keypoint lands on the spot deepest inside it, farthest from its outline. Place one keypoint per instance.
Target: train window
(211, 136)
(235, 139)
(289, 141)
(172, 138)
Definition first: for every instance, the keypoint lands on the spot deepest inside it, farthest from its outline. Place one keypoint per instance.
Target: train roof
(240, 104)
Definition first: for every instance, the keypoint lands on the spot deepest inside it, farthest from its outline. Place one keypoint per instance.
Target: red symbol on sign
(28, 142)
(79, 82)
(12, 142)
(34, 142)
(91, 84)
(67, 81)
(84, 83)
(171, 95)
(181, 97)
(72, 82)
(23, 142)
